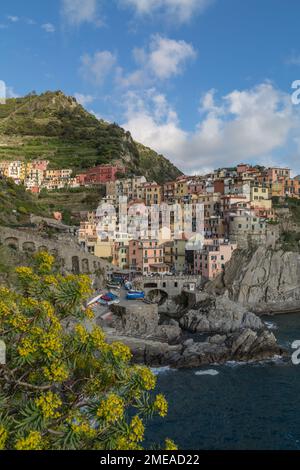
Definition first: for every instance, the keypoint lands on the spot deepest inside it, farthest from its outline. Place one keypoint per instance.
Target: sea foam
(162, 370)
(207, 372)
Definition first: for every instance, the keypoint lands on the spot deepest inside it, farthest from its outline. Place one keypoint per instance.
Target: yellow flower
(82, 334)
(3, 437)
(45, 261)
(4, 309)
(49, 403)
(27, 347)
(161, 405)
(51, 344)
(170, 445)
(147, 377)
(51, 280)
(98, 337)
(121, 351)
(32, 442)
(56, 372)
(26, 274)
(89, 313)
(137, 429)
(111, 409)
(84, 428)
(84, 285)
(19, 321)
(124, 443)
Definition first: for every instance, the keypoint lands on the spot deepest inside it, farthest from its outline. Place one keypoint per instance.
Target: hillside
(16, 204)
(56, 127)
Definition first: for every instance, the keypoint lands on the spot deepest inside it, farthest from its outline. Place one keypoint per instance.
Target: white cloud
(96, 68)
(13, 19)
(48, 27)
(153, 122)
(167, 57)
(252, 125)
(76, 12)
(179, 10)
(83, 99)
(163, 59)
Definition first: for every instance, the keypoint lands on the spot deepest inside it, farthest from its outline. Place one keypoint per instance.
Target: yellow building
(104, 248)
(181, 189)
(259, 197)
(150, 193)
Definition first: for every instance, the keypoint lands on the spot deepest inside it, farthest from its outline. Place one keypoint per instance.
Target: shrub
(63, 386)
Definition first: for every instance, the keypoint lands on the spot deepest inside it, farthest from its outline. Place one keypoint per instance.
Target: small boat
(128, 285)
(109, 299)
(111, 285)
(94, 300)
(135, 295)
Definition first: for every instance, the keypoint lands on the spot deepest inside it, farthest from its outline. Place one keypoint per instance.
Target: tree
(63, 386)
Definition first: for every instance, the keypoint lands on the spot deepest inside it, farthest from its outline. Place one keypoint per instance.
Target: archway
(12, 243)
(28, 247)
(157, 296)
(75, 265)
(85, 266)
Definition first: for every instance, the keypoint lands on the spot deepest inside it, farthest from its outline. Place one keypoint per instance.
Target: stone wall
(69, 254)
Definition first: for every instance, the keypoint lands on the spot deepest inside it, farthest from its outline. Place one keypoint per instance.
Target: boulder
(219, 314)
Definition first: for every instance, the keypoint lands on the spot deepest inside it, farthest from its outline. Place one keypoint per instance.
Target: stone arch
(42, 248)
(158, 296)
(75, 265)
(85, 266)
(12, 242)
(28, 247)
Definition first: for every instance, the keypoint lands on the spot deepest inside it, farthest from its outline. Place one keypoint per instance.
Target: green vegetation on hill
(56, 127)
(16, 204)
(290, 239)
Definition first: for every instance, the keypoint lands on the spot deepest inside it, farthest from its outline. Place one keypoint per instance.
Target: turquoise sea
(235, 406)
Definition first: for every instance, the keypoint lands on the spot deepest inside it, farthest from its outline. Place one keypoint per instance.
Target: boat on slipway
(109, 299)
(135, 295)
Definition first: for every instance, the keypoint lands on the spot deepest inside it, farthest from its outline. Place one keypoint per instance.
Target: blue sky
(206, 82)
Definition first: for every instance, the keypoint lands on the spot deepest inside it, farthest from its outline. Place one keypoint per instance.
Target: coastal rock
(142, 321)
(264, 280)
(247, 345)
(218, 314)
(244, 346)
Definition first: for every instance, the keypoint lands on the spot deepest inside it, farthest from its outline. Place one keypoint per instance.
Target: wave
(270, 325)
(236, 363)
(207, 372)
(162, 370)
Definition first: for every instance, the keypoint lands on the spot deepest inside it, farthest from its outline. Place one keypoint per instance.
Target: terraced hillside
(56, 127)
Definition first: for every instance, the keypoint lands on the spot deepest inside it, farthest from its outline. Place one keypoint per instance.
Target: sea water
(236, 405)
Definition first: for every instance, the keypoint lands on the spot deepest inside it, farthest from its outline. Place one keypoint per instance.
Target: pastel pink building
(146, 256)
(41, 165)
(210, 261)
(242, 168)
(274, 174)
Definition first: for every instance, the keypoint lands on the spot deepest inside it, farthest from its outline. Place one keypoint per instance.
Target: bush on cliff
(63, 386)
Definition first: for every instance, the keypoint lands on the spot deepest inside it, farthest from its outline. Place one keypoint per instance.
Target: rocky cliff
(264, 280)
(232, 333)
